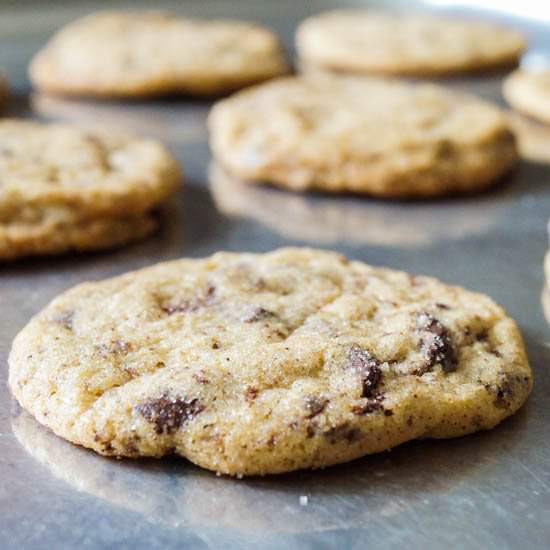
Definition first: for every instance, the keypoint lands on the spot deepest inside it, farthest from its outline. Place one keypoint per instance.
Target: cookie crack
(329, 302)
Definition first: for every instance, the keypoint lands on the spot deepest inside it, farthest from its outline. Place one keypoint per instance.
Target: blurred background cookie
(121, 54)
(528, 91)
(362, 135)
(67, 189)
(532, 137)
(363, 41)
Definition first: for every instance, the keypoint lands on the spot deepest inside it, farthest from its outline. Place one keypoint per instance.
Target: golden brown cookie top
(265, 363)
(149, 53)
(367, 135)
(410, 44)
(44, 167)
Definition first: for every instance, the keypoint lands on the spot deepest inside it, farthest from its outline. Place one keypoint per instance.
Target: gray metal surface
(490, 490)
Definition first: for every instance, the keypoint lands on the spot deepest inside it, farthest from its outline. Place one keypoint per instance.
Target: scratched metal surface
(490, 490)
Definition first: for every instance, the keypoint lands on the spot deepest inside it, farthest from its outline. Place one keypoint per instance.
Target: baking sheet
(489, 490)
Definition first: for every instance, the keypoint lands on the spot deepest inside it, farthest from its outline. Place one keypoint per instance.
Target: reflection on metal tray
(489, 490)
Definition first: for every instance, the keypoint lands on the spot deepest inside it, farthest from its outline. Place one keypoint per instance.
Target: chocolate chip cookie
(255, 364)
(366, 41)
(133, 54)
(63, 188)
(363, 135)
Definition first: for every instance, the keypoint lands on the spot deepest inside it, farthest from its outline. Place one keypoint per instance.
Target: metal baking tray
(489, 490)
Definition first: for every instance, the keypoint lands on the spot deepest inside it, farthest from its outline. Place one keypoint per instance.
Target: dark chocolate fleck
(258, 314)
(251, 393)
(343, 432)
(368, 368)
(168, 414)
(373, 404)
(315, 405)
(503, 392)
(200, 378)
(436, 344)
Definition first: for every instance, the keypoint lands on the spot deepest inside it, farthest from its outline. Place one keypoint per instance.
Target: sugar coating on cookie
(65, 188)
(149, 53)
(407, 44)
(359, 134)
(528, 91)
(255, 364)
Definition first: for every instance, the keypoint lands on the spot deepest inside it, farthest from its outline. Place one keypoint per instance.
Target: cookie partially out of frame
(255, 364)
(363, 135)
(64, 188)
(136, 54)
(528, 91)
(365, 41)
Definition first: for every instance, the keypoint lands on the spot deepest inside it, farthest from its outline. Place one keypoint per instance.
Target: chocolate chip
(503, 392)
(436, 344)
(258, 314)
(251, 393)
(368, 368)
(373, 404)
(107, 446)
(343, 432)
(315, 405)
(168, 414)
(200, 378)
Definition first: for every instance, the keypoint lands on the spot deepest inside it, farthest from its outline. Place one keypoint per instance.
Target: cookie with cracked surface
(363, 135)
(63, 188)
(255, 364)
(365, 41)
(118, 54)
(528, 91)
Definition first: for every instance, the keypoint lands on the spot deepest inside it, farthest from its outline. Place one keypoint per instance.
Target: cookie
(529, 93)
(532, 137)
(362, 135)
(365, 41)
(63, 188)
(60, 232)
(118, 54)
(253, 364)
